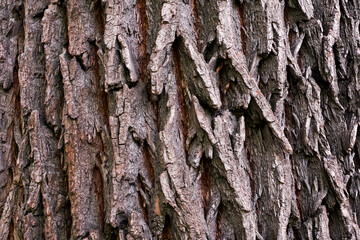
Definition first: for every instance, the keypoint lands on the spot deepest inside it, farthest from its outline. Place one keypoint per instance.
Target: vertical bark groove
(146, 119)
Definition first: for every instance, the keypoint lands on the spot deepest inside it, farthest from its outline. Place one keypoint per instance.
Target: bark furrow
(192, 119)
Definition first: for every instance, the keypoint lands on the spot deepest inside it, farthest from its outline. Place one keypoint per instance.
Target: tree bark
(179, 119)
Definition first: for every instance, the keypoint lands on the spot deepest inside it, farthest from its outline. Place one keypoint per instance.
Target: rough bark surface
(179, 119)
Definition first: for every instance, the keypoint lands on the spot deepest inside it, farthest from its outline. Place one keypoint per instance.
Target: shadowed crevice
(98, 187)
(194, 6)
(67, 207)
(99, 17)
(149, 163)
(241, 9)
(182, 100)
(102, 95)
(144, 57)
(206, 182)
(111, 233)
(11, 235)
(166, 234)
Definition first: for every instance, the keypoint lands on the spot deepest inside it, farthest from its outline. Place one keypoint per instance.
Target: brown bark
(193, 119)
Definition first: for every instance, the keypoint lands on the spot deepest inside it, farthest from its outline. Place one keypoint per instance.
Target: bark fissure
(182, 103)
(145, 119)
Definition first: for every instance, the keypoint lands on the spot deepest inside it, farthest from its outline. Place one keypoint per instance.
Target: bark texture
(179, 119)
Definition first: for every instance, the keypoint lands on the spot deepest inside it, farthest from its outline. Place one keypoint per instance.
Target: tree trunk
(192, 119)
